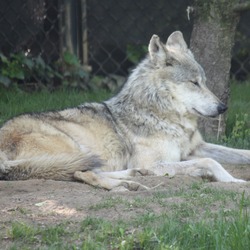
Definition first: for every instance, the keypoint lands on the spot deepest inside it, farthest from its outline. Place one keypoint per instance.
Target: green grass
(239, 102)
(14, 101)
(238, 116)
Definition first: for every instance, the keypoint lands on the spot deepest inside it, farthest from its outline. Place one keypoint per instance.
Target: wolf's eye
(169, 64)
(195, 83)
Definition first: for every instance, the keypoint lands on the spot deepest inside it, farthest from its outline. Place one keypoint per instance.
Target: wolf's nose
(221, 108)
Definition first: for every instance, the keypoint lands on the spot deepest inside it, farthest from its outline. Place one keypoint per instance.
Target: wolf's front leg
(203, 167)
(222, 154)
(112, 180)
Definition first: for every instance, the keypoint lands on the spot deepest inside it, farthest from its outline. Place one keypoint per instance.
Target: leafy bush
(72, 72)
(13, 68)
(19, 68)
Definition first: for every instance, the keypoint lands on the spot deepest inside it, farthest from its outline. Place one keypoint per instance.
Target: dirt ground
(45, 202)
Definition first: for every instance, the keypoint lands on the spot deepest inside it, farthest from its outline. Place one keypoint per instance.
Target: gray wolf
(149, 127)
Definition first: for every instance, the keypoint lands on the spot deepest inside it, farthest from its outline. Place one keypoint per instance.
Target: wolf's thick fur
(149, 127)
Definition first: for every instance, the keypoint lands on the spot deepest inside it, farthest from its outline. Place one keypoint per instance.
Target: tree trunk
(212, 41)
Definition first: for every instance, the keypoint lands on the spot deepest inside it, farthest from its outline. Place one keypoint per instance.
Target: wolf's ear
(176, 42)
(156, 48)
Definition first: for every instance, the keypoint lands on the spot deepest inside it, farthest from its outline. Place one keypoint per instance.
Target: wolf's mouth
(200, 114)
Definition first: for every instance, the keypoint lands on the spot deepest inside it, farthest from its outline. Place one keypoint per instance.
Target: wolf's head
(183, 77)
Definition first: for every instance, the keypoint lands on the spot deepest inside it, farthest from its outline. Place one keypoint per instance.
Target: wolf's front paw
(238, 180)
(3, 169)
(144, 172)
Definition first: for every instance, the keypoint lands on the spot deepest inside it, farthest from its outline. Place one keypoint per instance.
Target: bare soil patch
(48, 202)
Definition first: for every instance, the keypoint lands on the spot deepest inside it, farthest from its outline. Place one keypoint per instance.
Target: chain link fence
(72, 42)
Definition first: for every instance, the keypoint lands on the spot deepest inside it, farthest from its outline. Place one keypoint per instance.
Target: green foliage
(238, 116)
(72, 72)
(19, 68)
(12, 68)
(240, 134)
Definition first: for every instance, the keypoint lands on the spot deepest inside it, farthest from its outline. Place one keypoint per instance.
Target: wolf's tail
(56, 167)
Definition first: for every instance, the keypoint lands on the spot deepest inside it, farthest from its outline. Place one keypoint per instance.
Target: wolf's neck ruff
(146, 104)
